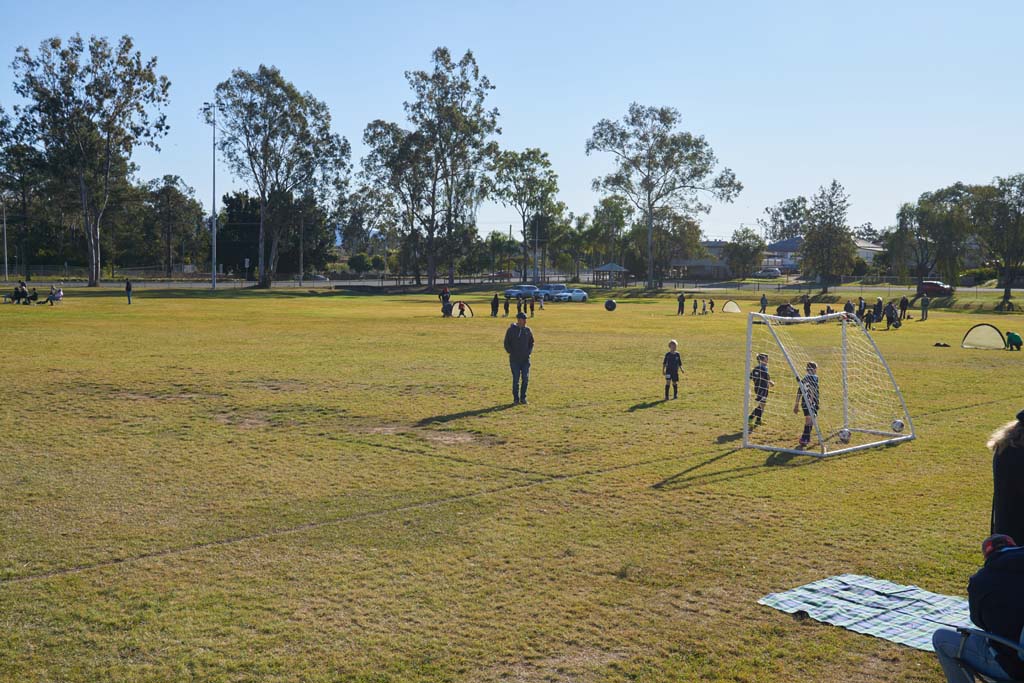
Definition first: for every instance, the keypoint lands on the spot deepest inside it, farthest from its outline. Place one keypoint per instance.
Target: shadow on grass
(465, 413)
(729, 438)
(646, 405)
(688, 478)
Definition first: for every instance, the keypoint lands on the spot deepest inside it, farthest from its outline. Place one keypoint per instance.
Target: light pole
(3, 203)
(211, 112)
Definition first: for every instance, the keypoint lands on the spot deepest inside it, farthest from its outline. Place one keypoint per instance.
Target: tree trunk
(1008, 276)
(92, 233)
(264, 279)
(650, 244)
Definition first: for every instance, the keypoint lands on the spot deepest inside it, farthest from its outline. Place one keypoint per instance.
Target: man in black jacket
(996, 597)
(519, 345)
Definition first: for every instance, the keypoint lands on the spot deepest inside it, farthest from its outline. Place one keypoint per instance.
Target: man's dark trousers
(520, 378)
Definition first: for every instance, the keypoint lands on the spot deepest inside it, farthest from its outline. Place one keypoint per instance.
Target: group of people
(22, 295)
(523, 303)
(706, 306)
(995, 592)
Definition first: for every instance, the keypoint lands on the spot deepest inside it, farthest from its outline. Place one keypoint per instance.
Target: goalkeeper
(762, 383)
(807, 397)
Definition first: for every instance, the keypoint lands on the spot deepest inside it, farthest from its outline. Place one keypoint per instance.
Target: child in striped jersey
(807, 396)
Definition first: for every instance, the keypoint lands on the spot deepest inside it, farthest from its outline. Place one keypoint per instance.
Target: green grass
(284, 486)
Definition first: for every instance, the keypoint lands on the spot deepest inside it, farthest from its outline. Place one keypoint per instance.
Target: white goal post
(852, 403)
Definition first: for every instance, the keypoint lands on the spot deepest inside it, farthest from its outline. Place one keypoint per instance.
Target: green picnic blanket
(906, 615)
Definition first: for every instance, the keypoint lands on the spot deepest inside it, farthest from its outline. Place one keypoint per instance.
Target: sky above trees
(891, 99)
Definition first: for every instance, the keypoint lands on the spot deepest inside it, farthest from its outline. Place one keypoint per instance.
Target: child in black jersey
(671, 367)
(762, 383)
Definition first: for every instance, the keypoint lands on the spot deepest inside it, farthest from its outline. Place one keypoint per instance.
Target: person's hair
(1010, 435)
(762, 356)
(811, 365)
(672, 342)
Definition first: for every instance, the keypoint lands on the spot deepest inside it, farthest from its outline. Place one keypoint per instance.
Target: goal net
(848, 402)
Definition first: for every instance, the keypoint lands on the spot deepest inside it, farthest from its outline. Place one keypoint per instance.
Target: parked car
(934, 288)
(549, 292)
(525, 291)
(572, 295)
(768, 273)
(503, 275)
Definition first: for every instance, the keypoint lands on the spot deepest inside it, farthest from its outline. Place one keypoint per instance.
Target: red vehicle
(934, 288)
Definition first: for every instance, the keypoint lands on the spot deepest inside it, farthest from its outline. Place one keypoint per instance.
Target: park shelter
(611, 274)
(984, 336)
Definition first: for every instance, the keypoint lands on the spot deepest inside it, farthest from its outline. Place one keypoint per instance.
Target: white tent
(731, 307)
(984, 336)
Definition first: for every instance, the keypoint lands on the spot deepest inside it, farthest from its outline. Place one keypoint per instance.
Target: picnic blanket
(906, 615)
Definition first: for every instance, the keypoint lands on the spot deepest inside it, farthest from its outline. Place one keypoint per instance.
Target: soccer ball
(897, 426)
(609, 305)
(844, 435)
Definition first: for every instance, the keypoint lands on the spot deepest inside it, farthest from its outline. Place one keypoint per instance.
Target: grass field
(285, 486)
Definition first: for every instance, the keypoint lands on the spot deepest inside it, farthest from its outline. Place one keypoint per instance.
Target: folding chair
(965, 633)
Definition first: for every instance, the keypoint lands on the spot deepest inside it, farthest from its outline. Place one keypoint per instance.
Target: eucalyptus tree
(89, 106)
(828, 250)
(526, 182)
(788, 218)
(455, 128)
(997, 211)
(175, 211)
(279, 141)
(658, 166)
(401, 168)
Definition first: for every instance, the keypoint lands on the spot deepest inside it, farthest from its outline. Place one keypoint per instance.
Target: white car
(571, 295)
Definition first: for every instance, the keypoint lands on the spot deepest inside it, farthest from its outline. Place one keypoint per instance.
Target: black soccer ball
(609, 305)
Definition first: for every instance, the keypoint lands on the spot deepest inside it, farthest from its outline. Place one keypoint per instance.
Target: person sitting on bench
(996, 597)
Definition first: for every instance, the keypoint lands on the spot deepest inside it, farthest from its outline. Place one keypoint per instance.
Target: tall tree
(828, 250)
(998, 214)
(176, 213)
(788, 218)
(91, 114)
(943, 216)
(744, 252)
(611, 216)
(279, 140)
(525, 181)
(450, 115)
(658, 166)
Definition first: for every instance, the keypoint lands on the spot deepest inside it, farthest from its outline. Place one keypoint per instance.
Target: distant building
(711, 267)
(784, 255)
(868, 250)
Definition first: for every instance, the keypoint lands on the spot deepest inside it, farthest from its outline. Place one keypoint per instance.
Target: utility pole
(3, 203)
(211, 111)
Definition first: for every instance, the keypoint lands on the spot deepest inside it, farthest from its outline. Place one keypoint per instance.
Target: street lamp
(210, 110)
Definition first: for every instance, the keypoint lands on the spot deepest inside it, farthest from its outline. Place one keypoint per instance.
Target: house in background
(711, 267)
(868, 250)
(784, 255)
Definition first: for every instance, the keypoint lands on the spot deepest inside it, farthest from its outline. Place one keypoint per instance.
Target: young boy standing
(807, 397)
(671, 367)
(762, 383)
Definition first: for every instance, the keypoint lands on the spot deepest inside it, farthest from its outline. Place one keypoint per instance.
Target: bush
(978, 275)
(860, 267)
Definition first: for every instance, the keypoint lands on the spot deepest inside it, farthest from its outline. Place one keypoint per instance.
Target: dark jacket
(1008, 493)
(996, 597)
(518, 343)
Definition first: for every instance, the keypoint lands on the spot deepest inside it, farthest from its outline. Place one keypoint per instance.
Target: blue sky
(891, 99)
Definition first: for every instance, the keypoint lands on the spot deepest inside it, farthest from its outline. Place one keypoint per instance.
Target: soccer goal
(984, 336)
(731, 307)
(848, 402)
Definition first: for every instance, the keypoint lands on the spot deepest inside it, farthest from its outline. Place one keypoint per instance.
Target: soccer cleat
(804, 442)
(524, 402)
(515, 401)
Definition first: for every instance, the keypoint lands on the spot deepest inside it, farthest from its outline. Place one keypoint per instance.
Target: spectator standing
(519, 345)
(128, 290)
(764, 302)
(904, 304)
(925, 303)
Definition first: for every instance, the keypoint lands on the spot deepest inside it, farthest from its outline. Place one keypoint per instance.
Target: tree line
(931, 235)
(73, 195)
